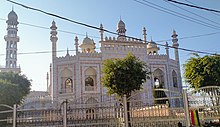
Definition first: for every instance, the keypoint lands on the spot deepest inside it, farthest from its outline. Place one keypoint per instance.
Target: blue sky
(159, 26)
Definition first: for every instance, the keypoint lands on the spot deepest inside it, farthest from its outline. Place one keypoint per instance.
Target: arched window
(156, 83)
(91, 112)
(154, 53)
(90, 79)
(149, 53)
(89, 83)
(159, 78)
(174, 75)
(69, 85)
(66, 81)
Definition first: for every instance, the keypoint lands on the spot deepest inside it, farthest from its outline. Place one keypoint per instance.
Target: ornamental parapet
(160, 56)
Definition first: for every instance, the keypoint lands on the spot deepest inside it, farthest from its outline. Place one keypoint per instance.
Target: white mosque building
(78, 76)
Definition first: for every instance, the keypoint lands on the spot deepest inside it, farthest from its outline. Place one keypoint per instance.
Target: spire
(53, 39)
(145, 35)
(76, 44)
(175, 45)
(67, 52)
(167, 49)
(101, 32)
(175, 39)
(121, 30)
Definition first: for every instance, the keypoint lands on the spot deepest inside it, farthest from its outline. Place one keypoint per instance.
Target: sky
(135, 13)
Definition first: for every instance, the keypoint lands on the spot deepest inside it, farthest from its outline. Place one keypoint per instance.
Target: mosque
(78, 76)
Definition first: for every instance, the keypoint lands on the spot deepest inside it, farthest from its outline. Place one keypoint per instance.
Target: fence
(165, 111)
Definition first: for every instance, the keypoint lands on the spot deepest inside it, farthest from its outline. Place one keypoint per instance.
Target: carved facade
(77, 77)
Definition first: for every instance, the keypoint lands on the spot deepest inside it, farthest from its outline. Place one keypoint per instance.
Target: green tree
(13, 88)
(124, 76)
(202, 71)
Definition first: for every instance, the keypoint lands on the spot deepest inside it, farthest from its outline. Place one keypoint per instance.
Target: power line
(74, 33)
(43, 27)
(94, 27)
(177, 14)
(193, 13)
(194, 6)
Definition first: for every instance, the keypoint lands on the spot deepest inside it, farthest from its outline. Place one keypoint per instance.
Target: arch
(174, 76)
(91, 100)
(159, 78)
(90, 79)
(154, 53)
(66, 81)
(91, 111)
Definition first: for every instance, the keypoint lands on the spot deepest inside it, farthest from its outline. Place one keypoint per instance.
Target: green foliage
(202, 71)
(123, 76)
(13, 88)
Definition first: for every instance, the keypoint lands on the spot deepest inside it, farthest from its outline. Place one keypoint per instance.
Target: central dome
(87, 40)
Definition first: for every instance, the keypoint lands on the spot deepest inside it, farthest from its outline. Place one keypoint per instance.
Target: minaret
(53, 39)
(11, 39)
(167, 50)
(121, 30)
(47, 82)
(101, 32)
(145, 35)
(76, 44)
(175, 45)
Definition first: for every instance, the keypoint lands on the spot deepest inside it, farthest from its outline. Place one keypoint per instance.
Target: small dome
(12, 16)
(121, 24)
(87, 40)
(151, 44)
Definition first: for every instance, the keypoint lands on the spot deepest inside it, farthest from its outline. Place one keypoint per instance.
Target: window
(69, 85)
(90, 114)
(89, 84)
(156, 83)
(174, 75)
(66, 81)
(90, 79)
(159, 78)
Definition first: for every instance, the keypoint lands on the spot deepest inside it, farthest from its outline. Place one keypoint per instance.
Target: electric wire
(74, 33)
(46, 28)
(177, 14)
(94, 27)
(194, 6)
(193, 13)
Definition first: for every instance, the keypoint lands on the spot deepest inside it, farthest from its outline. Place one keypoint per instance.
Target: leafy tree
(202, 71)
(124, 76)
(13, 88)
